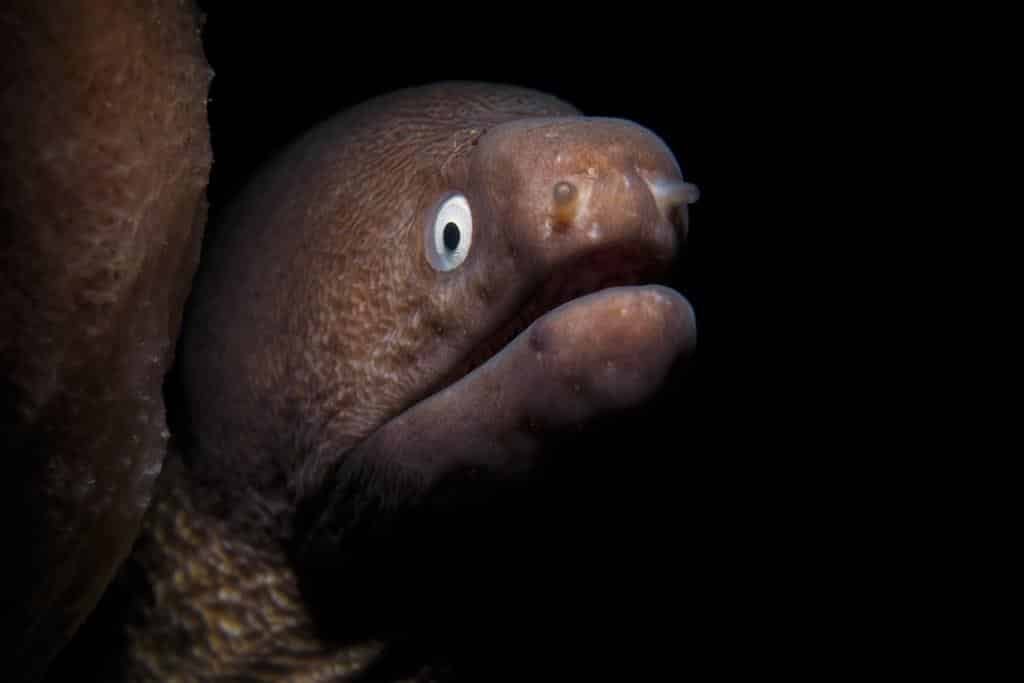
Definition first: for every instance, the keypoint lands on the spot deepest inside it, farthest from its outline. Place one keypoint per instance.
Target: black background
(678, 541)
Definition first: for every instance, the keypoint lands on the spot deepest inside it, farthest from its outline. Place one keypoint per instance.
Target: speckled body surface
(197, 601)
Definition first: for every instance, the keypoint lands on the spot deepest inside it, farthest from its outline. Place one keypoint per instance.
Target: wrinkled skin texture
(104, 161)
(343, 397)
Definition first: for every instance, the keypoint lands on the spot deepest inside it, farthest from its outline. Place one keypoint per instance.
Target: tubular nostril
(563, 210)
(673, 197)
(565, 192)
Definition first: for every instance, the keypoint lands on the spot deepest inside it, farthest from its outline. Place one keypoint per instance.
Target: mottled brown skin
(104, 160)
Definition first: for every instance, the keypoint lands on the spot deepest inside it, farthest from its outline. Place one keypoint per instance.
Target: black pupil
(451, 237)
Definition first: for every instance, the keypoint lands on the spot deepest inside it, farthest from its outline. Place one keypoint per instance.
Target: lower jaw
(591, 273)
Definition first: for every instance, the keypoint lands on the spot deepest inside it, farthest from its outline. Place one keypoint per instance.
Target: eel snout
(594, 211)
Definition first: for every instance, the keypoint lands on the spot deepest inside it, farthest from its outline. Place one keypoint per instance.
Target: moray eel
(439, 281)
(404, 308)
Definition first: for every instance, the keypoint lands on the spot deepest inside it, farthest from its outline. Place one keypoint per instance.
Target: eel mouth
(602, 268)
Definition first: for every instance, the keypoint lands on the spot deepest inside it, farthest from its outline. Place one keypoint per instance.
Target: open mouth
(617, 266)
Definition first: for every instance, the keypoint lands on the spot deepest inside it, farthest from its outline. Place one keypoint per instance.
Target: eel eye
(450, 236)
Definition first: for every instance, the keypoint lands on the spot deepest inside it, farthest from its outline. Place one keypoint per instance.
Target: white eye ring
(448, 239)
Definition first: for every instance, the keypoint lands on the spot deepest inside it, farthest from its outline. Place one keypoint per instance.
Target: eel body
(104, 162)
